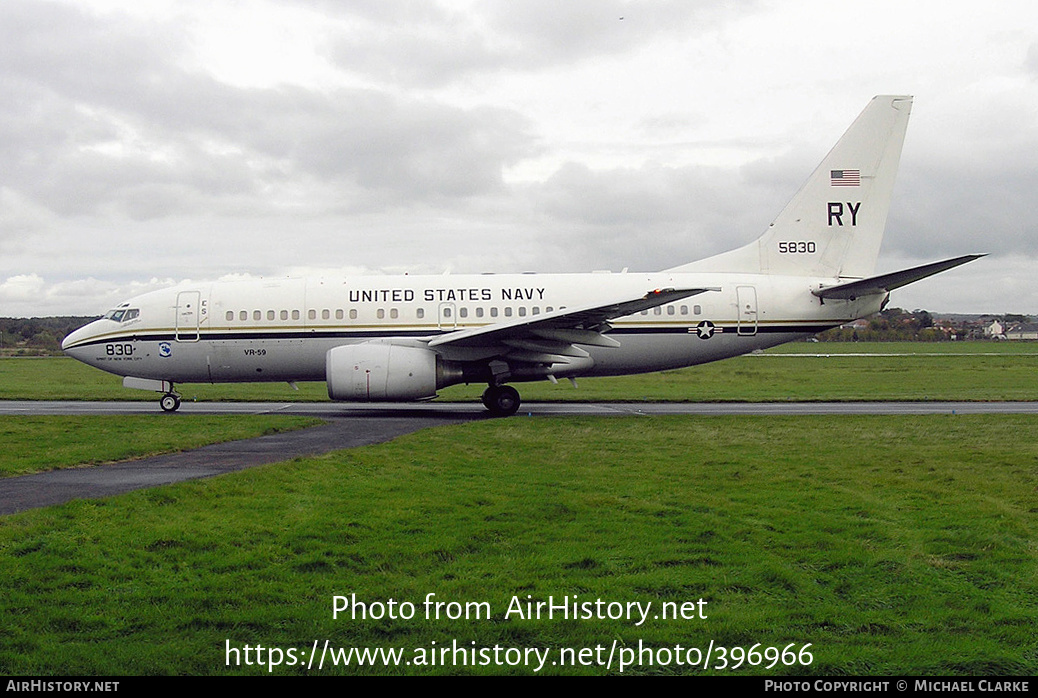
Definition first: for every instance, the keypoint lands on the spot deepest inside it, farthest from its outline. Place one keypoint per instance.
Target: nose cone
(79, 338)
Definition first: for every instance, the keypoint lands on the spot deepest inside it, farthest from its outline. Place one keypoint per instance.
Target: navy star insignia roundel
(705, 329)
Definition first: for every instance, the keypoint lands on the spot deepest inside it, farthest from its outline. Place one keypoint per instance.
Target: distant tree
(44, 340)
(923, 319)
(37, 335)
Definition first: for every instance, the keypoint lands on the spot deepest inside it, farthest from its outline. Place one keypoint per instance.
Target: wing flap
(586, 337)
(543, 347)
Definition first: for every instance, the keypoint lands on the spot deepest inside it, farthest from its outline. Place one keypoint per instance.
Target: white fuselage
(282, 329)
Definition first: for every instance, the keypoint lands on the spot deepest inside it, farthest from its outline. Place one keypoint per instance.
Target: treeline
(899, 325)
(38, 336)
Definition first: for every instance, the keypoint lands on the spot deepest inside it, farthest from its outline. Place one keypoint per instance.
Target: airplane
(402, 338)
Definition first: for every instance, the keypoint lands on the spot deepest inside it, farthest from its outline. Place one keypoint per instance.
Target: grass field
(35, 444)
(889, 545)
(829, 371)
(892, 546)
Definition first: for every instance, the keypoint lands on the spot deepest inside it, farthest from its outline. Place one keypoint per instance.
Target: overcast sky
(145, 143)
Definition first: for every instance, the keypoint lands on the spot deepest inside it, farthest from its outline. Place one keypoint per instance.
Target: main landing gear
(170, 402)
(501, 400)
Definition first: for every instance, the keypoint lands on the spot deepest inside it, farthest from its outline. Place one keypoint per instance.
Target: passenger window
(338, 314)
(420, 313)
(257, 315)
(284, 314)
(381, 314)
(493, 312)
(463, 312)
(697, 309)
(670, 310)
(230, 316)
(353, 313)
(522, 311)
(684, 310)
(479, 312)
(326, 314)
(295, 314)
(243, 315)
(270, 314)
(394, 313)
(508, 312)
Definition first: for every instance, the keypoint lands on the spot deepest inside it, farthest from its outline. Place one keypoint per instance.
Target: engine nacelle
(380, 371)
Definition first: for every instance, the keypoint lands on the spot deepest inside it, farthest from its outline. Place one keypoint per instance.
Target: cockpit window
(122, 314)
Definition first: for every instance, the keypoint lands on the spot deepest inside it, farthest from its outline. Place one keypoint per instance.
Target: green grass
(948, 348)
(893, 546)
(63, 378)
(35, 444)
(825, 371)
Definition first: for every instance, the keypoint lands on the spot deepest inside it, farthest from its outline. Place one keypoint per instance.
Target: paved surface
(358, 426)
(474, 410)
(58, 486)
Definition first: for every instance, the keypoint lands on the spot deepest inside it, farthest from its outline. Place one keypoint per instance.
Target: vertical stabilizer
(834, 225)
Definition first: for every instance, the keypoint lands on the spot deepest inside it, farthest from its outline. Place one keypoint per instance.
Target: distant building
(996, 330)
(1024, 330)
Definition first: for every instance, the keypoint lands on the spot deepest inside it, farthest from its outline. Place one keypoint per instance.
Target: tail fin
(834, 225)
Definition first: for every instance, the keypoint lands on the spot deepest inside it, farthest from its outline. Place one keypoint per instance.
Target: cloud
(21, 288)
(546, 32)
(484, 135)
(113, 122)
(1031, 62)
(31, 295)
(655, 216)
(431, 46)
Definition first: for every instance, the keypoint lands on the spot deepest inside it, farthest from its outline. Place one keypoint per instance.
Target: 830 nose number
(119, 349)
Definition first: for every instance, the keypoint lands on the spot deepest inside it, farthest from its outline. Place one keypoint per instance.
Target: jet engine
(384, 371)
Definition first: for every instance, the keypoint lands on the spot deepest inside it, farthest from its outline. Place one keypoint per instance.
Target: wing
(551, 337)
(888, 282)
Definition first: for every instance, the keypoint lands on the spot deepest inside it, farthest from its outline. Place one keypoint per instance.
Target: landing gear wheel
(501, 400)
(170, 402)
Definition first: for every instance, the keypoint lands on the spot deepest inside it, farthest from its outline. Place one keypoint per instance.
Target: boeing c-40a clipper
(401, 338)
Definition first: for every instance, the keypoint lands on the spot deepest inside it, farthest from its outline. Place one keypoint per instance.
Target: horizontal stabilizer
(888, 282)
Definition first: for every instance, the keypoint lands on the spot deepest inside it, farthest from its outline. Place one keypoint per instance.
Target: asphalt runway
(351, 426)
(474, 410)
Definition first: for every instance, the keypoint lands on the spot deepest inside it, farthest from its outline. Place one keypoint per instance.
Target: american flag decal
(845, 178)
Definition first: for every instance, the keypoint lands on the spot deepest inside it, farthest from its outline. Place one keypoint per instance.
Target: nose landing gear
(170, 402)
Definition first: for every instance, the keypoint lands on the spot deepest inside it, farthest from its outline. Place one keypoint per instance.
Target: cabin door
(189, 313)
(747, 299)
